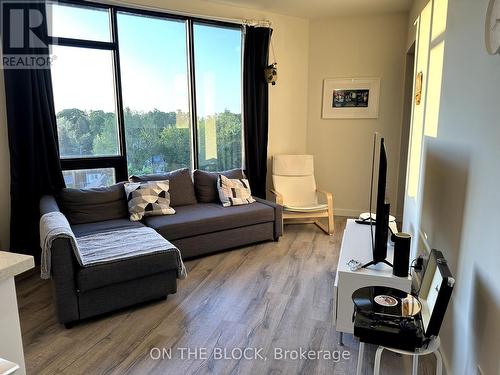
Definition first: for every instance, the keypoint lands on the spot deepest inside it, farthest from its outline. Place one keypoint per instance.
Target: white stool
(433, 347)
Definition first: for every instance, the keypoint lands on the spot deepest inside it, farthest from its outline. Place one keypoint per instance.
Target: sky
(153, 63)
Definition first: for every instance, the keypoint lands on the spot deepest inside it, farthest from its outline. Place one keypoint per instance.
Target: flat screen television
(379, 240)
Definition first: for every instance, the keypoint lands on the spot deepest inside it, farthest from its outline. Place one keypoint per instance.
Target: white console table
(11, 344)
(356, 244)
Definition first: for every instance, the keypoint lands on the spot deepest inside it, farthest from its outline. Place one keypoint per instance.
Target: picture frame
(345, 98)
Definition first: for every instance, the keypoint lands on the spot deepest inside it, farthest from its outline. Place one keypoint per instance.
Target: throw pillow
(233, 192)
(148, 199)
(180, 183)
(205, 183)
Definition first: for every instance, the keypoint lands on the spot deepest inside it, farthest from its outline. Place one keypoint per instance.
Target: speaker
(401, 260)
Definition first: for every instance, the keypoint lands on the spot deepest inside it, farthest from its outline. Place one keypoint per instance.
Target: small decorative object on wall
(492, 27)
(418, 87)
(351, 98)
(271, 74)
(271, 71)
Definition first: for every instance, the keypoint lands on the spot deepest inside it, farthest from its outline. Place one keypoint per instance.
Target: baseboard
(346, 212)
(355, 213)
(446, 366)
(28, 273)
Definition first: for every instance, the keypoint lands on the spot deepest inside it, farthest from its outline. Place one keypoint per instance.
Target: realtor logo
(24, 25)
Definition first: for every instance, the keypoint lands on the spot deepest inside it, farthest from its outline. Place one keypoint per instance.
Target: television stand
(357, 244)
(372, 263)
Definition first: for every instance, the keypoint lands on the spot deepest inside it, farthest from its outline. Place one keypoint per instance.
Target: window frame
(119, 162)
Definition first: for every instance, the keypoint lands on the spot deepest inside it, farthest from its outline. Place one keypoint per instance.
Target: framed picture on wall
(350, 98)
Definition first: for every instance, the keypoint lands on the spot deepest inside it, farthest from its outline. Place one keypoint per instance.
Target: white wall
(459, 191)
(415, 10)
(473, 126)
(371, 46)
(287, 100)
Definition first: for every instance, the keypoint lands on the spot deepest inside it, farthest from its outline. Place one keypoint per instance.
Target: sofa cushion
(205, 183)
(92, 205)
(181, 185)
(101, 275)
(104, 226)
(204, 218)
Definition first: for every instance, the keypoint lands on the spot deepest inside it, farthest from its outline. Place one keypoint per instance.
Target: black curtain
(35, 168)
(255, 106)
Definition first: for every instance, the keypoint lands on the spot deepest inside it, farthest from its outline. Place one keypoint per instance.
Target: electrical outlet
(419, 263)
(479, 370)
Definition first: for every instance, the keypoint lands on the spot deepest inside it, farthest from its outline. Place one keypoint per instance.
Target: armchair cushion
(293, 178)
(293, 165)
(296, 191)
(307, 208)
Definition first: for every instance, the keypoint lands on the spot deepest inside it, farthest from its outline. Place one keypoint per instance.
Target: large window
(84, 100)
(89, 178)
(143, 92)
(218, 99)
(79, 22)
(154, 67)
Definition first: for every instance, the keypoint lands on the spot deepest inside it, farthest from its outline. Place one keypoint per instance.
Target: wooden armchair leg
(331, 223)
(328, 229)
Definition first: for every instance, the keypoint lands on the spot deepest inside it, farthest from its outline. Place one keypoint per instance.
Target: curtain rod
(239, 21)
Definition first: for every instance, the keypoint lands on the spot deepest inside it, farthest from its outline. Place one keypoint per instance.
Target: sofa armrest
(64, 266)
(278, 216)
(48, 204)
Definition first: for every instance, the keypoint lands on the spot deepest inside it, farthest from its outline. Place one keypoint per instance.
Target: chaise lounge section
(83, 292)
(197, 228)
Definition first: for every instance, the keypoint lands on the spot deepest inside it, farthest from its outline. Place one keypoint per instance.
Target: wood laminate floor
(263, 297)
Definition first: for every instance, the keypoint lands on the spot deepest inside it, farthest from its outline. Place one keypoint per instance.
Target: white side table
(11, 344)
(356, 244)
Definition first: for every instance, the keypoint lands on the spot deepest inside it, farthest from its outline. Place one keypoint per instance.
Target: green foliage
(83, 134)
(156, 141)
(106, 138)
(228, 140)
(175, 143)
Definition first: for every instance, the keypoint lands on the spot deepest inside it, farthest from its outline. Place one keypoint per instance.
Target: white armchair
(295, 189)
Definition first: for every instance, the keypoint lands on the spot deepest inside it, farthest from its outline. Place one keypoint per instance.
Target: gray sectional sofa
(201, 225)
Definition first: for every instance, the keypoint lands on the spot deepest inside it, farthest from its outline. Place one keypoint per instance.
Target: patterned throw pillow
(233, 192)
(148, 199)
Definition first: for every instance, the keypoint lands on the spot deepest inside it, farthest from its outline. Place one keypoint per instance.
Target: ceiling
(323, 8)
